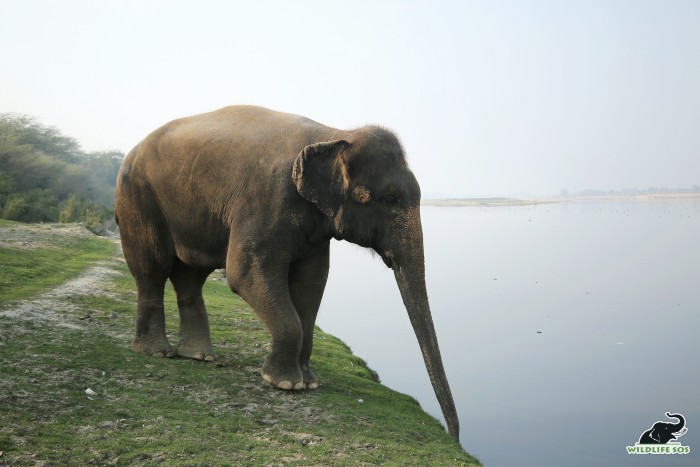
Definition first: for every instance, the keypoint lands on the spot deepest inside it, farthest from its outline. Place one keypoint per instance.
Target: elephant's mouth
(386, 256)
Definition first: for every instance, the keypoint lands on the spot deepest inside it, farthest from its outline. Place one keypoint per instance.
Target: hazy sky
(489, 97)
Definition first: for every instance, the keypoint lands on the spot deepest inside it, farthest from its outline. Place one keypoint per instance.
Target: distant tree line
(46, 177)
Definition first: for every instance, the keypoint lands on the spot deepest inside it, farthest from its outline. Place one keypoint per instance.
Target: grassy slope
(178, 411)
(64, 251)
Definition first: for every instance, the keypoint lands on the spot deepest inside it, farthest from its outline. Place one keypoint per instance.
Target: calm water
(566, 329)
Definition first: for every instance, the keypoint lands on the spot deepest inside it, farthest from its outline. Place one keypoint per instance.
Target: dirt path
(33, 236)
(53, 307)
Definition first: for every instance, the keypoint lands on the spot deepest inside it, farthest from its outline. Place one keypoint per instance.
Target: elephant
(262, 193)
(663, 432)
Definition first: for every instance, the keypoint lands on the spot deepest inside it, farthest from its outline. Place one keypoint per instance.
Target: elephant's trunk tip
(453, 430)
(681, 420)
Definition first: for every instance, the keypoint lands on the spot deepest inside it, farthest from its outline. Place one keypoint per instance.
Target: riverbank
(639, 197)
(488, 202)
(72, 391)
(496, 202)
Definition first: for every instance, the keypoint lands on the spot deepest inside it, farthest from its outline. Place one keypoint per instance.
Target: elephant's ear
(655, 434)
(320, 175)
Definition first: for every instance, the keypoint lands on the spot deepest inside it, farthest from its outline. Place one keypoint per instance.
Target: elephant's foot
(196, 353)
(194, 342)
(310, 379)
(157, 348)
(283, 377)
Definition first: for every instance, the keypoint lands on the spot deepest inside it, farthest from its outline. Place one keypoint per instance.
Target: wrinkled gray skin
(262, 193)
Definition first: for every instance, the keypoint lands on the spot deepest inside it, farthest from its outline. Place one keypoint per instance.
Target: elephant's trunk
(409, 270)
(681, 421)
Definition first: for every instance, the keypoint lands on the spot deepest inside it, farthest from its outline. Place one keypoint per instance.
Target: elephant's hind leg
(150, 338)
(148, 251)
(150, 275)
(194, 339)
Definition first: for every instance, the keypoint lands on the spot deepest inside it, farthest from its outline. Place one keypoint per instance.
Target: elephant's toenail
(312, 385)
(299, 386)
(286, 385)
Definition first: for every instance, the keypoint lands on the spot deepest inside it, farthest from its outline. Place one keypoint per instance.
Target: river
(566, 329)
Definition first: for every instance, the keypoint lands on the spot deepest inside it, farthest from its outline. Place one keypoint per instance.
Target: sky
(489, 98)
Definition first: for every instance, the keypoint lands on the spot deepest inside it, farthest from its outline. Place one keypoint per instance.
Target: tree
(49, 140)
(45, 176)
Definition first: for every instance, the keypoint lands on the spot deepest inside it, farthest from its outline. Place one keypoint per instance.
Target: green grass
(181, 412)
(29, 269)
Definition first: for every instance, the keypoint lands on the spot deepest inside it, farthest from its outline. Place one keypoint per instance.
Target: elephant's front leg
(281, 367)
(263, 285)
(307, 281)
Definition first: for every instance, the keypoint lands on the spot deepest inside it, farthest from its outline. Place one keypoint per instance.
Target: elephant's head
(670, 431)
(663, 432)
(370, 197)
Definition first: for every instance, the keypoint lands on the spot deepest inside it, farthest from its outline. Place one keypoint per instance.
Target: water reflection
(566, 329)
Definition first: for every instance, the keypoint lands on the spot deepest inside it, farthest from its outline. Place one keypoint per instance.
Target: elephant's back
(237, 139)
(238, 131)
(219, 161)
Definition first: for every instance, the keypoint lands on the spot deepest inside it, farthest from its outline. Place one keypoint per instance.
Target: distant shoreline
(488, 202)
(497, 202)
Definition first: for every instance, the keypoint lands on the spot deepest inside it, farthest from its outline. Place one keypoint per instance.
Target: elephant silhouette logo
(663, 432)
(661, 437)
